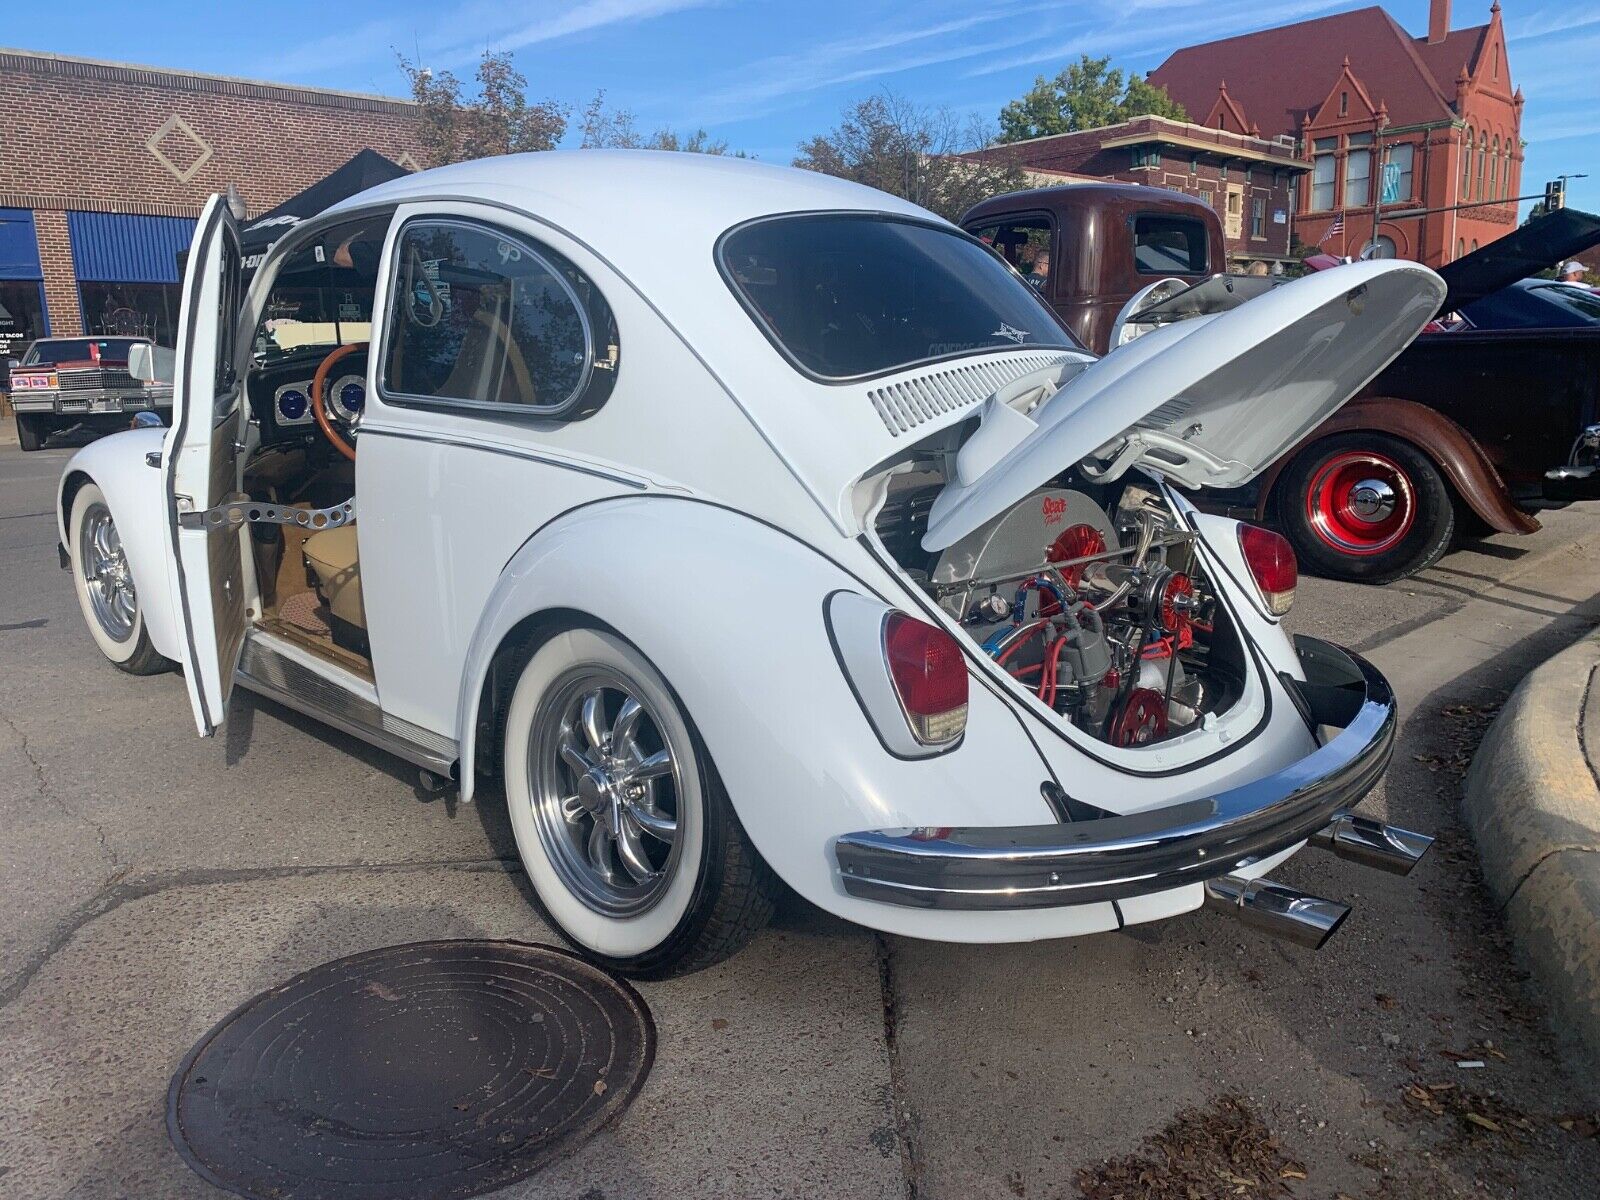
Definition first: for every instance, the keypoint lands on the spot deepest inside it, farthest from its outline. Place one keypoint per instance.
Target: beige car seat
(337, 566)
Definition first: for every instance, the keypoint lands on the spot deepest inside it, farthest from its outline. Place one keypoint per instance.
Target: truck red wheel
(1360, 502)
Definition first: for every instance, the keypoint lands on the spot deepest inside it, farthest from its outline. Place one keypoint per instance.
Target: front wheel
(105, 587)
(32, 431)
(1365, 507)
(633, 849)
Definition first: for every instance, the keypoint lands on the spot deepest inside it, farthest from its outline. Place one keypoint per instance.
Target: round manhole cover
(429, 1071)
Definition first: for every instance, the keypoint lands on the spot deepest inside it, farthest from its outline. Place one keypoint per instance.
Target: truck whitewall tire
(104, 585)
(632, 848)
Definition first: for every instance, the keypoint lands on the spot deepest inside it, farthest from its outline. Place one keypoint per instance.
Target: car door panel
(201, 468)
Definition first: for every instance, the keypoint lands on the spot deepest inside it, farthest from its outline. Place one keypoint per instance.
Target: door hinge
(237, 510)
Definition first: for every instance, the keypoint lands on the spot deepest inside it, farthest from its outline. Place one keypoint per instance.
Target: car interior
(307, 389)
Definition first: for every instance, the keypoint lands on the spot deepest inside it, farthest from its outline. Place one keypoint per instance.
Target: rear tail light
(930, 678)
(1271, 561)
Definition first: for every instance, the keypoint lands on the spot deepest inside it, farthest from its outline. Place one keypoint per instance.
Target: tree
(615, 128)
(929, 156)
(1087, 95)
(500, 120)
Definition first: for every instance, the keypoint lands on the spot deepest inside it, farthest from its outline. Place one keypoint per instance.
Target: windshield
(849, 295)
(78, 350)
(322, 295)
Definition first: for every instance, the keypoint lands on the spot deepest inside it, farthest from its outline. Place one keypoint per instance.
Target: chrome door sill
(270, 673)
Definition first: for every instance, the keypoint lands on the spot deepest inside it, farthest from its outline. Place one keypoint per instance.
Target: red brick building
(1247, 178)
(1357, 92)
(104, 168)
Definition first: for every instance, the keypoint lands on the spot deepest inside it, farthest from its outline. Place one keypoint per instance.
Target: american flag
(1336, 228)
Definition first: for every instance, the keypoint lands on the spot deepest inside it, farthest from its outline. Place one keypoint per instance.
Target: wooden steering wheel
(319, 382)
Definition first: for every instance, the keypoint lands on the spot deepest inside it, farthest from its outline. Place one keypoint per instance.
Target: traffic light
(1555, 195)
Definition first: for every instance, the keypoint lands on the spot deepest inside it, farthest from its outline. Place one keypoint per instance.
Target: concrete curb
(1533, 804)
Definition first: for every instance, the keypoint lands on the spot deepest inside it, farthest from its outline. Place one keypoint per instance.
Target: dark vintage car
(1472, 430)
(1089, 248)
(63, 382)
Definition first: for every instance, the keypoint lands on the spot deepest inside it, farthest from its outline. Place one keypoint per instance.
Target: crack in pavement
(123, 888)
(899, 1099)
(48, 793)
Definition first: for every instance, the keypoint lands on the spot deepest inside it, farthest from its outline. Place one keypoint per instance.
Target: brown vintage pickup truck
(1471, 430)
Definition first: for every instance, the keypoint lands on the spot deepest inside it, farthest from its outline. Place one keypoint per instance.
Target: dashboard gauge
(293, 403)
(349, 396)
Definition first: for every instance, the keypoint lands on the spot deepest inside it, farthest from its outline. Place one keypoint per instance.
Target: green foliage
(926, 155)
(1087, 95)
(499, 120)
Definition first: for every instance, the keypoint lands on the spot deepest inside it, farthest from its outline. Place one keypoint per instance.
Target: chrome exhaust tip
(1277, 909)
(1372, 843)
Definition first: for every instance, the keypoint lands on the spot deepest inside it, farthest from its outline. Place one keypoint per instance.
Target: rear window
(1169, 245)
(78, 350)
(851, 295)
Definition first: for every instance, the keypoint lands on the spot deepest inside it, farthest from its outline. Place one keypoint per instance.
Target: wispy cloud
(1548, 21)
(586, 17)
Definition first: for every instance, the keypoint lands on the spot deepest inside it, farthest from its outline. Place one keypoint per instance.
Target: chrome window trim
(574, 399)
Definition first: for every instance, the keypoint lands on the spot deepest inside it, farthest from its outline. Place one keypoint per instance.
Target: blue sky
(765, 74)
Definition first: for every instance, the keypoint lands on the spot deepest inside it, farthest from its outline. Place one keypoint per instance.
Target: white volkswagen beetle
(754, 525)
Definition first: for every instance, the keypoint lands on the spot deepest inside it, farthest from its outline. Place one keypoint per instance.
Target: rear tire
(1366, 507)
(32, 431)
(105, 588)
(633, 848)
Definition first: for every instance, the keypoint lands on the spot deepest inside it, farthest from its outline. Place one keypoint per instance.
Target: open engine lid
(1207, 402)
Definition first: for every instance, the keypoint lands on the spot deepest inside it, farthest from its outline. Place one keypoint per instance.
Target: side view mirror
(13, 363)
(152, 364)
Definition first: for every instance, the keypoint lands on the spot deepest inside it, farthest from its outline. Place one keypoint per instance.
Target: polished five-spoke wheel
(105, 585)
(1365, 506)
(106, 575)
(633, 849)
(605, 792)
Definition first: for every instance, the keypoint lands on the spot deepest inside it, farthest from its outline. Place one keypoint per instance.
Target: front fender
(730, 610)
(1453, 450)
(133, 491)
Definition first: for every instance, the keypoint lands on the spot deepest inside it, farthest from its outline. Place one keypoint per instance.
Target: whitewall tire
(104, 584)
(633, 850)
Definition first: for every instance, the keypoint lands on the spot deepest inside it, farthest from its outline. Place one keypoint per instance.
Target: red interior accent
(1075, 541)
(926, 665)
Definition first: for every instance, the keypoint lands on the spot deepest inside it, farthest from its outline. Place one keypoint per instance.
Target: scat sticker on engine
(1054, 508)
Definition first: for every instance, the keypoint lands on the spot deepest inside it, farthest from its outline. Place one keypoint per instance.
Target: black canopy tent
(365, 170)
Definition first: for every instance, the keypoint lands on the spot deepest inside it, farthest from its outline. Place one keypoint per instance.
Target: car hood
(1209, 401)
(1542, 242)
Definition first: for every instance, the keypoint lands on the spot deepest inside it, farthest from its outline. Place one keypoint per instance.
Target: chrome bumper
(1081, 862)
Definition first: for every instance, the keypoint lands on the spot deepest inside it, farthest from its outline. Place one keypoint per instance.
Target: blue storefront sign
(22, 316)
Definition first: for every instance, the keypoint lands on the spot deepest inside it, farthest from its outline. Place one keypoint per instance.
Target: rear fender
(1451, 448)
(730, 611)
(133, 491)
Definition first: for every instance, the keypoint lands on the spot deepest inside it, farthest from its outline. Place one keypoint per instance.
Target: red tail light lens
(930, 677)
(1271, 561)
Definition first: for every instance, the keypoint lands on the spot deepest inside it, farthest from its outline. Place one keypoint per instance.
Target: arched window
(1483, 162)
(1461, 247)
(1505, 172)
(1466, 164)
(1494, 170)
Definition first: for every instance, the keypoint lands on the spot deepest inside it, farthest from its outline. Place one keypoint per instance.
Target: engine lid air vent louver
(904, 405)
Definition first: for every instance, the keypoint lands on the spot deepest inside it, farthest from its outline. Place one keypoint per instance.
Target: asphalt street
(150, 881)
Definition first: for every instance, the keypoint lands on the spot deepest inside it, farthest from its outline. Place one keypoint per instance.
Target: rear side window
(1169, 245)
(1025, 243)
(479, 317)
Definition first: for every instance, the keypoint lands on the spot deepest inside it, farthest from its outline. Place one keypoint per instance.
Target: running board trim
(277, 677)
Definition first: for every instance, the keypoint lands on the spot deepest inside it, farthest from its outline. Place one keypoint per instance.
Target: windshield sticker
(1010, 334)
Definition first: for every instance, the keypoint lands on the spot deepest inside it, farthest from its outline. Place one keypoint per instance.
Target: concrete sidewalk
(1533, 803)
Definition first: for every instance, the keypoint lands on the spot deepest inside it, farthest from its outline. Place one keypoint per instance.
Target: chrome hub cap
(605, 789)
(106, 577)
(1372, 500)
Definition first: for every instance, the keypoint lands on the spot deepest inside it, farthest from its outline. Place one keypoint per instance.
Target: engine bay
(1090, 597)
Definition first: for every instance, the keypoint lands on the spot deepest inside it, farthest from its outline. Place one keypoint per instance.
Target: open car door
(201, 466)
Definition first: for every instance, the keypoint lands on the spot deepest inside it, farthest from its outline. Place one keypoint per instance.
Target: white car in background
(755, 525)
